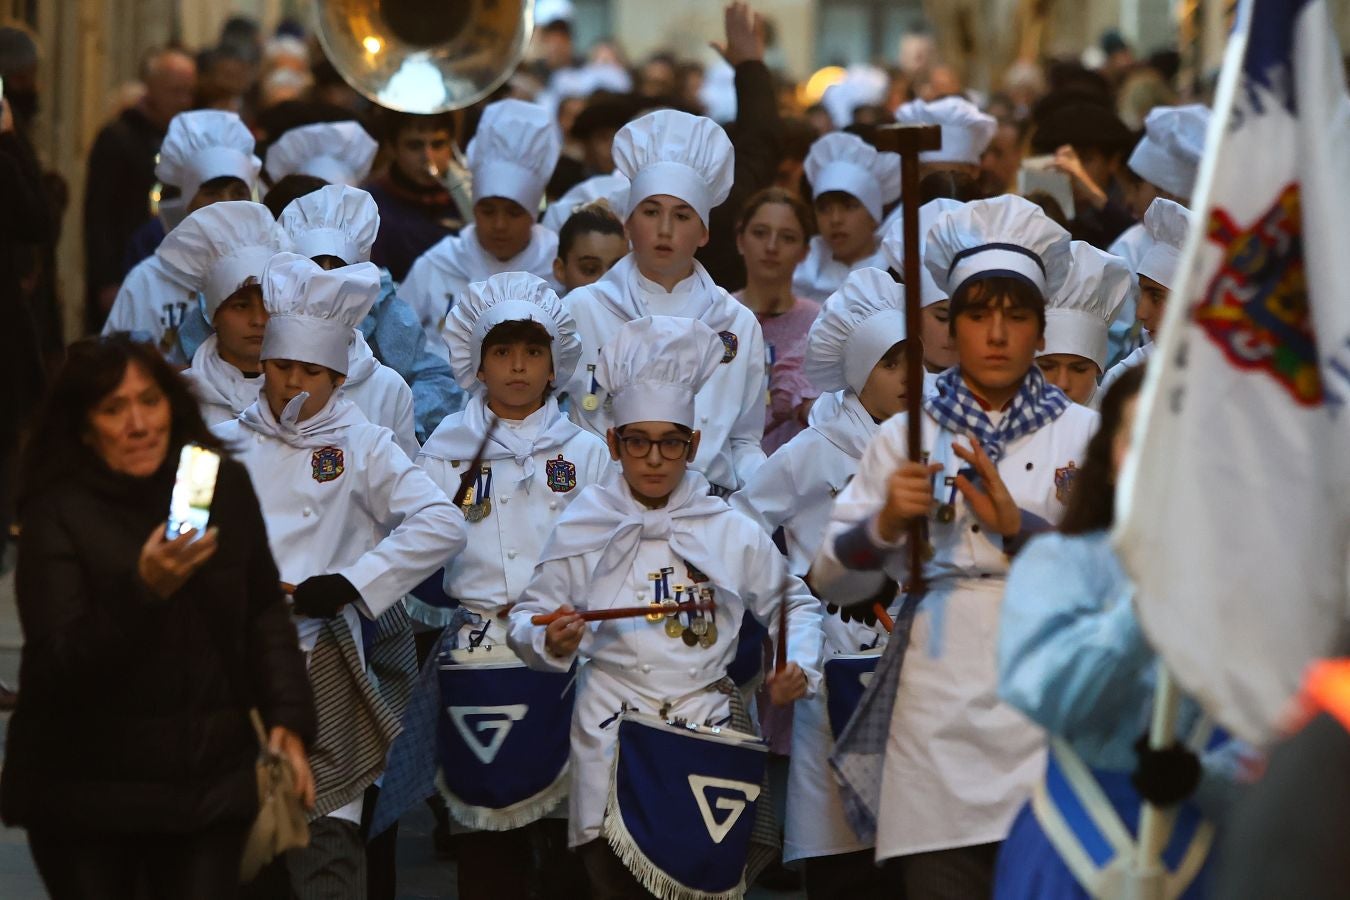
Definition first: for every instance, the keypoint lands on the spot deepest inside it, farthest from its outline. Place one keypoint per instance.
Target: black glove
(1165, 777)
(864, 612)
(321, 596)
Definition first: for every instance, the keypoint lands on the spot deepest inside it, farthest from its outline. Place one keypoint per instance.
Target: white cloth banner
(1234, 509)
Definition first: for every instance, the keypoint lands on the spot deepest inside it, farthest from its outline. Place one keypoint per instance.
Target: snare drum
(682, 803)
(847, 676)
(502, 738)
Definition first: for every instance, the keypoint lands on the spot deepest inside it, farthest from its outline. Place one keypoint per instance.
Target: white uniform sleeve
(424, 529)
(858, 505)
(770, 587)
(770, 496)
(747, 435)
(405, 422)
(555, 582)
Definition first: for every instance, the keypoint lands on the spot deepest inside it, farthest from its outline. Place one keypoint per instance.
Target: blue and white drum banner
(682, 806)
(846, 677)
(502, 739)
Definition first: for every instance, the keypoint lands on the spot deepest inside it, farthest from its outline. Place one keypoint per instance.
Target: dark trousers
(962, 873)
(203, 865)
(520, 864)
(845, 876)
(610, 878)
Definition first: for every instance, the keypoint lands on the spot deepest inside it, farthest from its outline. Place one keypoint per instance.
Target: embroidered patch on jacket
(1064, 479)
(731, 343)
(562, 475)
(326, 464)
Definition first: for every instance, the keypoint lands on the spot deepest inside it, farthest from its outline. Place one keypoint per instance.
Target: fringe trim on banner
(517, 815)
(648, 874)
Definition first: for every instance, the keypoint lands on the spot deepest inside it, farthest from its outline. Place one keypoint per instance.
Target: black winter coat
(133, 711)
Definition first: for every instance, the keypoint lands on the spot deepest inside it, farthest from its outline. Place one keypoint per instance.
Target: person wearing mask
(208, 155)
(195, 629)
(1073, 357)
(511, 158)
(773, 234)
(416, 206)
(935, 765)
(121, 175)
(851, 184)
(680, 167)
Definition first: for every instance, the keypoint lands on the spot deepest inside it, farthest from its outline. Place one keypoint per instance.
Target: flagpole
(1144, 878)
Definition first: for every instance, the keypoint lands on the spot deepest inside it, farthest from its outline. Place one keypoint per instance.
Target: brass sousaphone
(425, 56)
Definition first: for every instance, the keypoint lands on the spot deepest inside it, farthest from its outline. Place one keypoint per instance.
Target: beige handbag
(281, 823)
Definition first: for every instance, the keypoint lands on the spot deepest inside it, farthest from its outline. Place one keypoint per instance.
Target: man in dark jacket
(122, 173)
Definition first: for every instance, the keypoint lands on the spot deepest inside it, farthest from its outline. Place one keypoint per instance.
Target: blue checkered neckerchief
(1036, 404)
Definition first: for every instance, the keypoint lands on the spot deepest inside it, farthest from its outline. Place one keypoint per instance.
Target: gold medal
(690, 639)
(709, 637)
(590, 403)
(657, 614)
(946, 514)
(673, 628)
(699, 626)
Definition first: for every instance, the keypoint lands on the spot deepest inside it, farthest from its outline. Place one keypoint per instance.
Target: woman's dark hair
(1092, 499)
(806, 216)
(94, 367)
(986, 292)
(592, 218)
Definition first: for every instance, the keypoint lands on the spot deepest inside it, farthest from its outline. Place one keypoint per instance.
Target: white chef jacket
(959, 762)
(453, 263)
(730, 407)
(820, 274)
(502, 549)
(152, 303)
(1138, 357)
(633, 660)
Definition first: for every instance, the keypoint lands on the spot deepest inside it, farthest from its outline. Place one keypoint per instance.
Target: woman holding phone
(130, 758)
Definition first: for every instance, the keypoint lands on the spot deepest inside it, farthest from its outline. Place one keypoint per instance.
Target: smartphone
(194, 487)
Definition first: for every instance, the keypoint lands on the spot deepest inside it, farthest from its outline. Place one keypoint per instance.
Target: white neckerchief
(465, 259)
(629, 295)
(850, 428)
(606, 517)
(542, 431)
(219, 382)
(319, 430)
(361, 361)
(820, 274)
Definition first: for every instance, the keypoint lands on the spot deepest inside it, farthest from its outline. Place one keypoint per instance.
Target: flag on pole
(1234, 510)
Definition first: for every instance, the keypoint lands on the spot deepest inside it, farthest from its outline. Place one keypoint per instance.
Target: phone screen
(193, 489)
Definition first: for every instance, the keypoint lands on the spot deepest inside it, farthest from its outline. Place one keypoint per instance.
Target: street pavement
(420, 877)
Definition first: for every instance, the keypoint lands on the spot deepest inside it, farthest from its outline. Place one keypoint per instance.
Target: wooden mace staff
(909, 141)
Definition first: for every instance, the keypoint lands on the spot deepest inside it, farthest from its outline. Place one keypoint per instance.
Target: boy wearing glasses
(647, 532)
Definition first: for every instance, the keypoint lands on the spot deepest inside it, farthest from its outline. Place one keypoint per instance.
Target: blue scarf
(956, 409)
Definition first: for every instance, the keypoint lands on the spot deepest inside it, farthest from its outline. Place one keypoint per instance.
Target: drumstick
(622, 612)
(287, 588)
(883, 617)
(467, 477)
(780, 658)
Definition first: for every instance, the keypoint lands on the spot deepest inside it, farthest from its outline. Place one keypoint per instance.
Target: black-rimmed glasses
(640, 447)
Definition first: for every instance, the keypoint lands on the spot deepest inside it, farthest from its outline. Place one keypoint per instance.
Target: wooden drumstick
(780, 658)
(466, 480)
(287, 588)
(621, 612)
(883, 617)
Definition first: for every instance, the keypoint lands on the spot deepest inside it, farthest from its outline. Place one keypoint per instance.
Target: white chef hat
(857, 325)
(1174, 141)
(220, 247)
(313, 312)
(337, 152)
(653, 367)
(546, 12)
(336, 220)
(845, 162)
(1001, 236)
(508, 297)
(612, 188)
(514, 152)
(893, 246)
(1078, 315)
(675, 153)
(1167, 223)
(966, 132)
(862, 85)
(203, 144)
